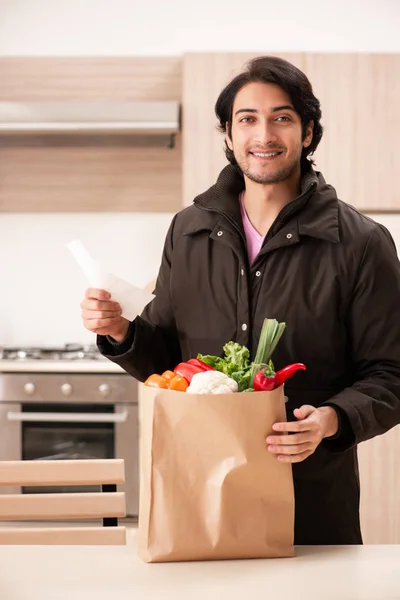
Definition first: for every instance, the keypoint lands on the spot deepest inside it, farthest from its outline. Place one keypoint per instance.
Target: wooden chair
(107, 504)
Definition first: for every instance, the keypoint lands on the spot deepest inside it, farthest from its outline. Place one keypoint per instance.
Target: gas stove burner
(67, 352)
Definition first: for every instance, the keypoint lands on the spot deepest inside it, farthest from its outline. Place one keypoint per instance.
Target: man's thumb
(303, 412)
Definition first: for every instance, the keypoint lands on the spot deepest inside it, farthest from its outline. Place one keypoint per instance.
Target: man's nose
(265, 134)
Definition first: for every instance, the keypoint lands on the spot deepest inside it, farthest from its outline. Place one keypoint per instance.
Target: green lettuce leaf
(237, 355)
(235, 363)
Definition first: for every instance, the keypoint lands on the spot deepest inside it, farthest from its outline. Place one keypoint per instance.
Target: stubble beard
(269, 178)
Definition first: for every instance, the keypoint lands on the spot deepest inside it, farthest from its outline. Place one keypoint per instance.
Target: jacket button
(244, 326)
(220, 233)
(289, 236)
(258, 273)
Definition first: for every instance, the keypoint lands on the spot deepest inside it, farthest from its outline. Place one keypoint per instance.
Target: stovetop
(69, 352)
(70, 358)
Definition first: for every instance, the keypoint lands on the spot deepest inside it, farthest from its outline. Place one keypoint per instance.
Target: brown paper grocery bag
(209, 488)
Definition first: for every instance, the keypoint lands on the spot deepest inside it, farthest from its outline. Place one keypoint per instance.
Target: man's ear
(227, 138)
(309, 134)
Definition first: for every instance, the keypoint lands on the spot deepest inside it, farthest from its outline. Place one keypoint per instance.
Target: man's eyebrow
(283, 107)
(274, 109)
(248, 110)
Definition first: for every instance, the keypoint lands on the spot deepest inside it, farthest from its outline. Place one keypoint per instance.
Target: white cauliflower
(212, 382)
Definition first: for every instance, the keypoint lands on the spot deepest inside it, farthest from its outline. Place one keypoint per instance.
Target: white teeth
(265, 154)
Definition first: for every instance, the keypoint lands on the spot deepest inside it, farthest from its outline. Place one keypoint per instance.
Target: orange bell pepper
(178, 383)
(156, 381)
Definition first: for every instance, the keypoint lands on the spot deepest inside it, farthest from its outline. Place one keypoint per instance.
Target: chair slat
(62, 506)
(62, 472)
(77, 536)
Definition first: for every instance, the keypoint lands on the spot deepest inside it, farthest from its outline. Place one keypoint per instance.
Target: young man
(271, 239)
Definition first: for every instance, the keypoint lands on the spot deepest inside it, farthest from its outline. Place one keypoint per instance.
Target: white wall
(41, 286)
(112, 27)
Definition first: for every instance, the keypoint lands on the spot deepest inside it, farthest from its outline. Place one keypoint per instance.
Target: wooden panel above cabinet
(82, 78)
(57, 173)
(359, 95)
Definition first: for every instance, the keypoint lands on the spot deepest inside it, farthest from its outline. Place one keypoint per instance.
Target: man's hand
(102, 316)
(312, 426)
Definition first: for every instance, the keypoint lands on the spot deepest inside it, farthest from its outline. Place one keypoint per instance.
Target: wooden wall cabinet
(379, 462)
(86, 173)
(358, 155)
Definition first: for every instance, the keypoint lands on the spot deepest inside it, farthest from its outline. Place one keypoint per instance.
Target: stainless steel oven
(53, 415)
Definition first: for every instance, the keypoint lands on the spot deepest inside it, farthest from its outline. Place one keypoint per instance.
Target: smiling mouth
(266, 155)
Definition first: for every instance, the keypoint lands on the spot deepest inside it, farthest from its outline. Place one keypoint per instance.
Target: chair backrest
(107, 504)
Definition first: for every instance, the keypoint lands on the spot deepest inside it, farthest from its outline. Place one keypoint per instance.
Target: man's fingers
(294, 426)
(87, 315)
(292, 449)
(294, 458)
(100, 306)
(95, 324)
(304, 411)
(96, 294)
(291, 440)
(303, 439)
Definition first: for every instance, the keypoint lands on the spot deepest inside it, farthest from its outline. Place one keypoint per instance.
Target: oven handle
(68, 417)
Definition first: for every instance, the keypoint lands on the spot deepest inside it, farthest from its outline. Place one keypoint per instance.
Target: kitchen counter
(59, 366)
(108, 572)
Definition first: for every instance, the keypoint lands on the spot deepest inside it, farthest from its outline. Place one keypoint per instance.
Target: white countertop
(59, 366)
(116, 572)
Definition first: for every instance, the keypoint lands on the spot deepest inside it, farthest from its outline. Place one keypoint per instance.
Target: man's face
(266, 133)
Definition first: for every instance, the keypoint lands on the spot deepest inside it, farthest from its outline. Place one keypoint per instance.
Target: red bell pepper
(264, 380)
(263, 383)
(287, 372)
(199, 363)
(187, 371)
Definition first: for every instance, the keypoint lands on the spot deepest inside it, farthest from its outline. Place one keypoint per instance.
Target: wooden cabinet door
(358, 155)
(379, 461)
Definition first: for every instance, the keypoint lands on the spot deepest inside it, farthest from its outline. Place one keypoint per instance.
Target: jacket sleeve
(152, 342)
(371, 406)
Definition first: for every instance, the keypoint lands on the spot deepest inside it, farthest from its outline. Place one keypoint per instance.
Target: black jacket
(333, 276)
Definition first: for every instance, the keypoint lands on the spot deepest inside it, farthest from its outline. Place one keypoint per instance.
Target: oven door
(38, 431)
(10, 440)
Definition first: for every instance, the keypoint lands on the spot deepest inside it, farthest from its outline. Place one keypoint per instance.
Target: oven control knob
(29, 388)
(104, 389)
(66, 389)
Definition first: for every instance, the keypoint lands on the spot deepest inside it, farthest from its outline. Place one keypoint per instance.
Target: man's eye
(283, 118)
(246, 119)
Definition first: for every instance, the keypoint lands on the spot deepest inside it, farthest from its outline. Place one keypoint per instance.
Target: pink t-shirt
(253, 238)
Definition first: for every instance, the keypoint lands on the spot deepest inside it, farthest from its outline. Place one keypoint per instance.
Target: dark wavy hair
(271, 69)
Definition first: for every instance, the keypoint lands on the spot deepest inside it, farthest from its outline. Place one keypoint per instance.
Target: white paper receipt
(131, 298)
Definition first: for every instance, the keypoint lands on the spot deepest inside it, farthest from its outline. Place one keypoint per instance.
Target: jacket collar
(316, 207)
